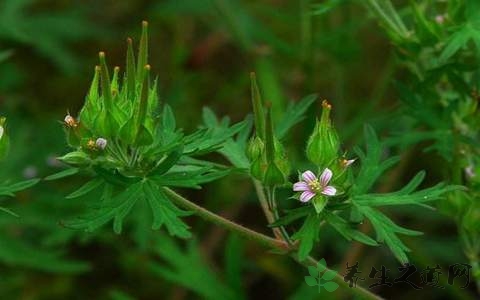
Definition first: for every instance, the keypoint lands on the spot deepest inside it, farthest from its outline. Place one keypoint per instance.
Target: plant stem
(258, 237)
(219, 220)
(266, 207)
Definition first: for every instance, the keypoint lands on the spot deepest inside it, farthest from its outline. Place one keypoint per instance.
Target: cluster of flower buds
(4, 140)
(269, 163)
(118, 110)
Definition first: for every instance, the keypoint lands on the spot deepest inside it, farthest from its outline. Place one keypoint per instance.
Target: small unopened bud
(101, 143)
(70, 121)
(1, 131)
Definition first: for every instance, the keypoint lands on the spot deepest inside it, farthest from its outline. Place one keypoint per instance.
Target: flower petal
(329, 191)
(301, 186)
(306, 196)
(308, 176)
(325, 177)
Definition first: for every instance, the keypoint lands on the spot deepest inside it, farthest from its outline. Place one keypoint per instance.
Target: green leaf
(211, 139)
(86, 188)
(10, 189)
(293, 115)
(330, 286)
(307, 235)
(329, 275)
(63, 174)
(372, 167)
(115, 208)
(292, 215)
(387, 231)
(398, 198)
(191, 178)
(321, 265)
(313, 271)
(168, 161)
(187, 268)
(346, 230)
(8, 211)
(311, 281)
(458, 40)
(164, 212)
(114, 177)
(234, 258)
(16, 253)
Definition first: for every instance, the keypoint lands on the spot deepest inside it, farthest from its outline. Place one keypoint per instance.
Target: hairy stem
(258, 237)
(221, 221)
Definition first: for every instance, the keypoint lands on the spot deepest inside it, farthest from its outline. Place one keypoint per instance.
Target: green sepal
(319, 202)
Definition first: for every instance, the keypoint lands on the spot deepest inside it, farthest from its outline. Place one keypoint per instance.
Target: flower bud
(323, 145)
(101, 143)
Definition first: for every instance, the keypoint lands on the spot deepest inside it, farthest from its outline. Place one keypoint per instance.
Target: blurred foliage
(416, 80)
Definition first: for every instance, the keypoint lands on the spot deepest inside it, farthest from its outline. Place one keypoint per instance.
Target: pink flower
(311, 185)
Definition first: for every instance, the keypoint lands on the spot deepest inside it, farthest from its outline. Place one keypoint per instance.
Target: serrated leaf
(115, 208)
(164, 212)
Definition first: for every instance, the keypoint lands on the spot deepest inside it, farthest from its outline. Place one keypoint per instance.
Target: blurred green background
(203, 52)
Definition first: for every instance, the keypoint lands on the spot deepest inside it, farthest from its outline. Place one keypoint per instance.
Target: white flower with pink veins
(311, 185)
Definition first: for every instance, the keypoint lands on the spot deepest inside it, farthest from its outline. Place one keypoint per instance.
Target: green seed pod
(323, 145)
(4, 139)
